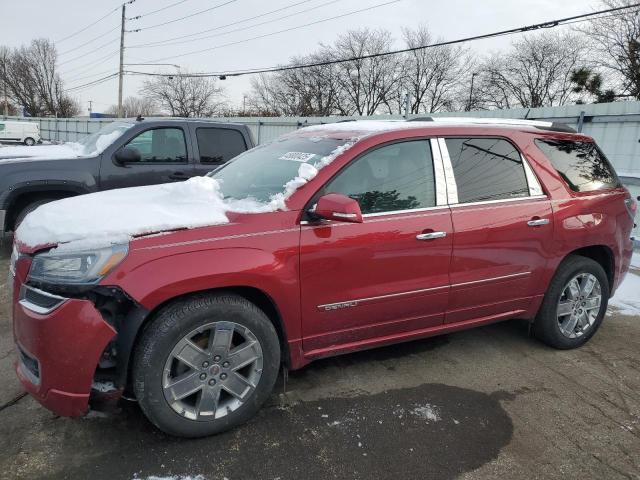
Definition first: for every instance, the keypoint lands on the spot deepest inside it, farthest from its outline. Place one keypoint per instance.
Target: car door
(503, 226)
(215, 145)
(164, 157)
(387, 276)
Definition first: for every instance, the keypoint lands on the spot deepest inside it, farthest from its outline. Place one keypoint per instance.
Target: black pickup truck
(125, 153)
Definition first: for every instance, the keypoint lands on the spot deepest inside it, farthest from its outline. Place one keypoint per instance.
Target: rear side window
(581, 164)
(219, 145)
(487, 169)
(390, 178)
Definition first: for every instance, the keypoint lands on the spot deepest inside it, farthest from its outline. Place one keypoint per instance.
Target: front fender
(153, 281)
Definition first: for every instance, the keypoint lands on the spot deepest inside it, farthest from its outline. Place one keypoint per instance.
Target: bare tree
(615, 42)
(365, 84)
(536, 72)
(134, 106)
(33, 82)
(311, 91)
(433, 77)
(185, 96)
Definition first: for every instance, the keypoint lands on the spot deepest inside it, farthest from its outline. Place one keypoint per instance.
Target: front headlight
(76, 268)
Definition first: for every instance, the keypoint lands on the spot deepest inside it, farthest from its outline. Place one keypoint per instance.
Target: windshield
(98, 141)
(262, 172)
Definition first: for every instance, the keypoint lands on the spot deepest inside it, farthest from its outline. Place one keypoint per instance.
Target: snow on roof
(364, 126)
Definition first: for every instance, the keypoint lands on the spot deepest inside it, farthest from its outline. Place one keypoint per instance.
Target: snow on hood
(42, 152)
(115, 216)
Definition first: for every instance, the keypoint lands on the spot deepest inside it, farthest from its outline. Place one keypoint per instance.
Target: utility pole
(4, 82)
(121, 71)
(90, 105)
(468, 109)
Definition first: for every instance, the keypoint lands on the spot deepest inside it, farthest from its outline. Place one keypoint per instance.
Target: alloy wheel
(579, 305)
(212, 371)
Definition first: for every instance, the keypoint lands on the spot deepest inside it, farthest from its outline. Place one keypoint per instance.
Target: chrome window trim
(502, 200)
(535, 188)
(438, 171)
(450, 179)
(396, 212)
(492, 279)
(37, 308)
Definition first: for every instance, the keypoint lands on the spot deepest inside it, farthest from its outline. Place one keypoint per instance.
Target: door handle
(178, 176)
(431, 235)
(537, 222)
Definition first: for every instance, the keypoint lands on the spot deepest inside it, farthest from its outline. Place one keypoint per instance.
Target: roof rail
(552, 126)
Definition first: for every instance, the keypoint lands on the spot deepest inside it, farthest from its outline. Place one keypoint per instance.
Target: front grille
(30, 365)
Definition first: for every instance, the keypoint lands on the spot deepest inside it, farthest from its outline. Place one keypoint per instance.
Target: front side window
(160, 145)
(1, 127)
(581, 164)
(390, 178)
(219, 145)
(487, 169)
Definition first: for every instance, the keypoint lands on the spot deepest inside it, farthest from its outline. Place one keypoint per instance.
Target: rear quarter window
(219, 145)
(582, 165)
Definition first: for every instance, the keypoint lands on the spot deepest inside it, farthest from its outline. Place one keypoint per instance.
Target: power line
(139, 45)
(275, 33)
(237, 73)
(156, 11)
(89, 52)
(95, 61)
(96, 74)
(183, 18)
(88, 26)
(241, 29)
(93, 83)
(84, 44)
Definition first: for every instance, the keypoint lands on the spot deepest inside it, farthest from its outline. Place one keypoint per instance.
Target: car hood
(116, 216)
(41, 152)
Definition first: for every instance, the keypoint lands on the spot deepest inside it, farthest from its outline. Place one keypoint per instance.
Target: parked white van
(23, 132)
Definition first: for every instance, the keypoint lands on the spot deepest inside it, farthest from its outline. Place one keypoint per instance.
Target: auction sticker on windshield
(298, 156)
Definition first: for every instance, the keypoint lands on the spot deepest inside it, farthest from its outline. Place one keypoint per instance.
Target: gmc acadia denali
(332, 239)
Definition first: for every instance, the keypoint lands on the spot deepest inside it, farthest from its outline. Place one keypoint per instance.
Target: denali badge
(338, 306)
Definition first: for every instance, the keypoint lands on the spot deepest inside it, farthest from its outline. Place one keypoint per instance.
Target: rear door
(503, 227)
(389, 275)
(215, 145)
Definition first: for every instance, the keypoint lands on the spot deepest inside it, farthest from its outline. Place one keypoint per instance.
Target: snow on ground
(427, 412)
(626, 301)
(115, 216)
(171, 477)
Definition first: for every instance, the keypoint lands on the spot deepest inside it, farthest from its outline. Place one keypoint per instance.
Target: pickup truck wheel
(205, 364)
(28, 209)
(574, 305)
(29, 142)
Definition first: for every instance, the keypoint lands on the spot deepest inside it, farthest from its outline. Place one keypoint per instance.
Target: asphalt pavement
(485, 403)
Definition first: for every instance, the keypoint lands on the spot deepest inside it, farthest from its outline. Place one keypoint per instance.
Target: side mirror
(127, 155)
(338, 207)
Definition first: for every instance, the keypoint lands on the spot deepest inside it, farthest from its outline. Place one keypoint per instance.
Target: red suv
(333, 238)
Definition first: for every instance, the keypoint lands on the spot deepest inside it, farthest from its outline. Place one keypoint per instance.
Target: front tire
(574, 305)
(205, 364)
(29, 142)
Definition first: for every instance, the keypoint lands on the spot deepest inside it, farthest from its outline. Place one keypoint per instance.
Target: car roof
(180, 119)
(366, 128)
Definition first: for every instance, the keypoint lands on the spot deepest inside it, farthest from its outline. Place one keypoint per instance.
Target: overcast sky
(25, 20)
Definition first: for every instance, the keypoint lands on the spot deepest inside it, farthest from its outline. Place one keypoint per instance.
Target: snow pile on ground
(627, 298)
(115, 216)
(171, 477)
(41, 152)
(427, 412)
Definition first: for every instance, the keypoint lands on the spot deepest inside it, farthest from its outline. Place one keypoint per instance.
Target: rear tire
(205, 364)
(29, 142)
(574, 305)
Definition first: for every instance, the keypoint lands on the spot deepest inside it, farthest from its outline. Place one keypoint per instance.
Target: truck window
(581, 164)
(219, 145)
(161, 145)
(487, 169)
